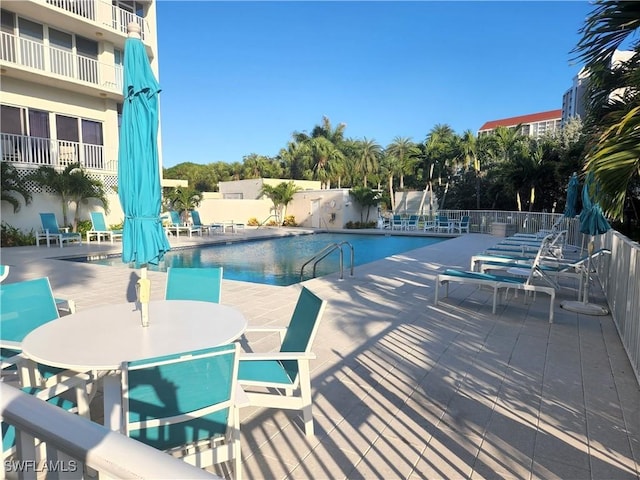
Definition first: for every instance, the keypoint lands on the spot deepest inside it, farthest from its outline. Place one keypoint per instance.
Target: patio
(403, 389)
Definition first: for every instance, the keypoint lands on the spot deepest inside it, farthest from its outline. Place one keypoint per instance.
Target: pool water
(278, 261)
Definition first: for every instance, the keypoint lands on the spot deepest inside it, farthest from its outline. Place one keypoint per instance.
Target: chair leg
(305, 393)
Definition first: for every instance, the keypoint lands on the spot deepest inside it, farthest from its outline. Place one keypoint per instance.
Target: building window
(31, 43)
(87, 59)
(61, 53)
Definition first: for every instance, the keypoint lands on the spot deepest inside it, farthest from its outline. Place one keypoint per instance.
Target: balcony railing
(75, 447)
(102, 12)
(60, 62)
(36, 151)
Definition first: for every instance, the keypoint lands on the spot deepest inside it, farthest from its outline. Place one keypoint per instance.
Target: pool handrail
(322, 254)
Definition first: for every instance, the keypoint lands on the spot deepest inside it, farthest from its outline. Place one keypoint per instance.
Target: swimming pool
(277, 261)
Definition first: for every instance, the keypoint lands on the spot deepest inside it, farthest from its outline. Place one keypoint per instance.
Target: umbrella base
(584, 308)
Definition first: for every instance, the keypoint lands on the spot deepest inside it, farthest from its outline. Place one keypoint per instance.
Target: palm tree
(469, 146)
(405, 153)
(12, 185)
(281, 195)
(613, 119)
(366, 198)
(184, 199)
(72, 184)
(368, 157)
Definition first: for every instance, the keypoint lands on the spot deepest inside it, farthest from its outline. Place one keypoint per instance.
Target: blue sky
(241, 77)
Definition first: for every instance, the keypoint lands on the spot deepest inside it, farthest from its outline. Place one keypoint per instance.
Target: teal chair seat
(266, 372)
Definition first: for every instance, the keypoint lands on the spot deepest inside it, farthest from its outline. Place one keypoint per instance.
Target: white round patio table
(101, 338)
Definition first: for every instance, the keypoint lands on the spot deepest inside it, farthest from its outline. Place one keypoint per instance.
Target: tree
(405, 153)
(471, 158)
(613, 101)
(72, 184)
(12, 185)
(368, 157)
(184, 199)
(366, 198)
(281, 195)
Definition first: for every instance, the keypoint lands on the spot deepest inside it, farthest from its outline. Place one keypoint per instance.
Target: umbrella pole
(584, 306)
(144, 291)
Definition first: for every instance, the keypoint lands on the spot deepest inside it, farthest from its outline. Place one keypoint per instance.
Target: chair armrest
(277, 356)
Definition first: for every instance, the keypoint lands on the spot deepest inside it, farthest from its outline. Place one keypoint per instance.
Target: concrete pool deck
(404, 389)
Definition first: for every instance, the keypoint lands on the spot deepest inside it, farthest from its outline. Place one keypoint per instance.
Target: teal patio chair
(412, 222)
(197, 222)
(99, 228)
(185, 404)
(443, 224)
(203, 284)
(178, 225)
(397, 223)
(25, 306)
(288, 369)
(462, 225)
(51, 231)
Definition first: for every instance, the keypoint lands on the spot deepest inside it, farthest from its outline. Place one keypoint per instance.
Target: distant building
(573, 99)
(532, 125)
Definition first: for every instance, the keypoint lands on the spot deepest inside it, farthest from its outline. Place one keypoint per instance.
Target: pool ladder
(324, 253)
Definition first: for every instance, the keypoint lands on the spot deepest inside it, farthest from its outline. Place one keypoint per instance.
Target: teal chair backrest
(464, 221)
(175, 217)
(98, 221)
(25, 306)
(195, 388)
(4, 272)
(195, 216)
(302, 328)
(203, 284)
(49, 222)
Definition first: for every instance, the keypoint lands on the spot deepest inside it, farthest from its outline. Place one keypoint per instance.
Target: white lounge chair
(99, 228)
(51, 231)
(496, 282)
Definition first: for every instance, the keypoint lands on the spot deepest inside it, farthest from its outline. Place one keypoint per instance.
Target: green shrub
(14, 237)
(83, 227)
(358, 225)
(290, 221)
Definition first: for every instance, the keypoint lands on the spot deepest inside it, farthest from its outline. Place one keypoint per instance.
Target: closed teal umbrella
(144, 240)
(572, 197)
(592, 223)
(592, 220)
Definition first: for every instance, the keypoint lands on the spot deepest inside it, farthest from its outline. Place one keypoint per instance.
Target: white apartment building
(61, 65)
(533, 125)
(573, 98)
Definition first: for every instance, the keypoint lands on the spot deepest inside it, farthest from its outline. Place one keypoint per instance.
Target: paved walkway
(404, 389)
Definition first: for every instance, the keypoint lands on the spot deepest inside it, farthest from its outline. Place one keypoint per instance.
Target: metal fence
(620, 279)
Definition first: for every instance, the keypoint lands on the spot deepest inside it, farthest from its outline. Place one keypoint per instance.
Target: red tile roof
(531, 118)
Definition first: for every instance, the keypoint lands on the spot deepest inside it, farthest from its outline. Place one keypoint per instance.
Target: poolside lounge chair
(99, 228)
(25, 306)
(496, 282)
(51, 231)
(4, 272)
(203, 284)
(195, 216)
(179, 226)
(288, 369)
(186, 404)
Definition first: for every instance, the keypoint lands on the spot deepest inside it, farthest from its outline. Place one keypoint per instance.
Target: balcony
(101, 14)
(22, 150)
(27, 56)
